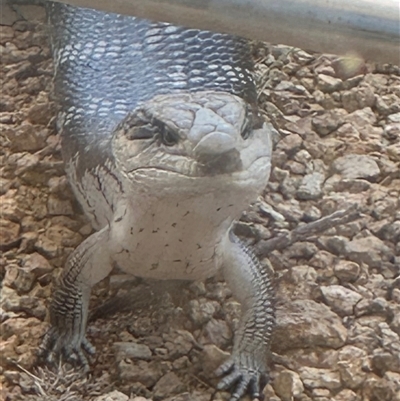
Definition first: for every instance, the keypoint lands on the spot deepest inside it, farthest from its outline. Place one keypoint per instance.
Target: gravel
(338, 292)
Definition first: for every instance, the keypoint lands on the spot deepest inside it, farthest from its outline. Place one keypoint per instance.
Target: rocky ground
(338, 290)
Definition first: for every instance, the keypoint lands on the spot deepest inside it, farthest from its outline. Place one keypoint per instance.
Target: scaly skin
(163, 179)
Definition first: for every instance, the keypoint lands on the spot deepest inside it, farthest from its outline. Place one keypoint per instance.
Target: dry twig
(301, 233)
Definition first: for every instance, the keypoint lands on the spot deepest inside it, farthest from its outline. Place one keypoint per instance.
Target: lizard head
(194, 136)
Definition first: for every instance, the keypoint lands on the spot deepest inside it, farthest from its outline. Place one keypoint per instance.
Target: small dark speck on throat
(141, 229)
(173, 224)
(118, 219)
(186, 213)
(218, 209)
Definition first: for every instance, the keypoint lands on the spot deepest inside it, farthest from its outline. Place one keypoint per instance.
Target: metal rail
(369, 29)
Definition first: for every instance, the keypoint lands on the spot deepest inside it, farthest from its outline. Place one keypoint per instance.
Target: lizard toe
(241, 379)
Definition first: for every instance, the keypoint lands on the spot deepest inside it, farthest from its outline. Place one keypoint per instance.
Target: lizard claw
(54, 345)
(243, 378)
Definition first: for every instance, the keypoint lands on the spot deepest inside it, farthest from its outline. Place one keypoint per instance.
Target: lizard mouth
(219, 166)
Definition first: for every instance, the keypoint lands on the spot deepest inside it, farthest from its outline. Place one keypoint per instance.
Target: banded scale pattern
(106, 64)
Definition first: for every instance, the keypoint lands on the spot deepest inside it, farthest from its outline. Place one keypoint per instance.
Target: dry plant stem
(301, 233)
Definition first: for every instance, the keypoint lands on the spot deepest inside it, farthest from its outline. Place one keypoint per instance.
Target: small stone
(346, 395)
(10, 301)
(192, 396)
(27, 138)
(320, 378)
(290, 211)
(311, 186)
(334, 244)
(284, 101)
(306, 323)
(168, 385)
(40, 113)
(389, 339)
(216, 332)
(6, 32)
(131, 350)
(328, 84)
(295, 167)
(375, 388)
(351, 361)
(59, 186)
(139, 399)
(25, 164)
(311, 213)
(356, 250)
(28, 330)
(139, 371)
(303, 157)
(346, 271)
(9, 232)
(58, 207)
(387, 104)
(212, 358)
(353, 186)
(361, 118)
(113, 396)
(36, 264)
(394, 152)
(321, 394)
(383, 361)
(393, 377)
(202, 310)
(358, 98)
(347, 133)
(300, 281)
(329, 121)
(20, 279)
(392, 131)
(179, 344)
(181, 363)
(290, 144)
(375, 306)
(340, 299)
(322, 260)
(394, 118)
(47, 247)
(354, 166)
(302, 250)
(287, 384)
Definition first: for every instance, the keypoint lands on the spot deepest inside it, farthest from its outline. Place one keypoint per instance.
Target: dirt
(338, 290)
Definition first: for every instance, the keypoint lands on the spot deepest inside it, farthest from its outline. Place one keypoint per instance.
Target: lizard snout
(215, 143)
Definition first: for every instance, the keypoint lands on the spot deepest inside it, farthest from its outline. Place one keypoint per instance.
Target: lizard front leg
(247, 370)
(88, 264)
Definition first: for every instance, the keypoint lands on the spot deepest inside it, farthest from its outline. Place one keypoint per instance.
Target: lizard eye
(146, 131)
(168, 137)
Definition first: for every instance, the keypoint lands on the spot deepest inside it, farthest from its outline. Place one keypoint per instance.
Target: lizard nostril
(224, 163)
